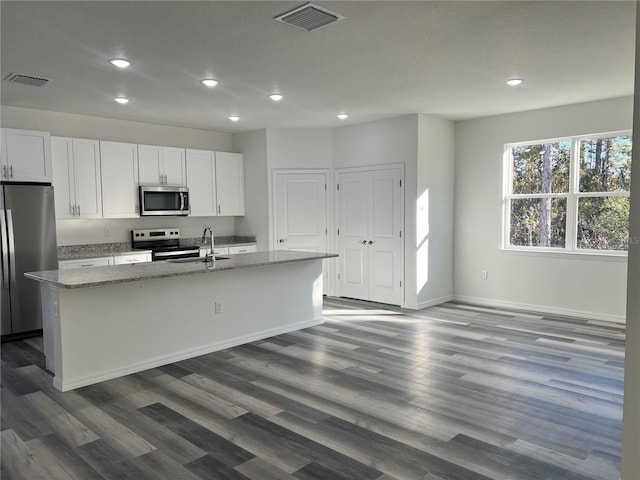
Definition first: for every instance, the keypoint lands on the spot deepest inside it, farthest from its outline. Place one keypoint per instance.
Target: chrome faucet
(209, 256)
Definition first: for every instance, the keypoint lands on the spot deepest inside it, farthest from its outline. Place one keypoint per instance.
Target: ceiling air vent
(309, 17)
(26, 79)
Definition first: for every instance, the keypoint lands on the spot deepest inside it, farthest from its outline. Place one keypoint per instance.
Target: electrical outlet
(484, 274)
(218, 307)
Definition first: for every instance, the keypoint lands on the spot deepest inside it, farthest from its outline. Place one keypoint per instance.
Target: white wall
(84, 231)
(389, 141)
(108, 230)
(253, 146)
(575, 285)
(100, 128)
(433, 211)
(630, 468)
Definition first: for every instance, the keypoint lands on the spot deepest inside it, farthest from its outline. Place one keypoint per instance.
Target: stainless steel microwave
(164, 201)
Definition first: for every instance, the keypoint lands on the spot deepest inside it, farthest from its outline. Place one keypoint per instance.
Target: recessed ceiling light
(514, 81)
(343, 116)
(209, 82)
(122, 100)
(276, 97)
(234, 118)
(120, 62)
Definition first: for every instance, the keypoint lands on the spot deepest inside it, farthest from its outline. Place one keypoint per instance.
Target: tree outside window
(569, 195)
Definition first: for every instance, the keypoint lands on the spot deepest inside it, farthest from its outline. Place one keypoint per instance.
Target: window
(569, 195)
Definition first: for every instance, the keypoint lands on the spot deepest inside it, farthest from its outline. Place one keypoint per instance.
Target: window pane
(603, 223)
(538, 222)
(605, 164)
(541, 168)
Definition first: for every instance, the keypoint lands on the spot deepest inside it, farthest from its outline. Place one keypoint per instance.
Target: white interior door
(370, 219)
(384, 242)
(353, 231)
(300, 212)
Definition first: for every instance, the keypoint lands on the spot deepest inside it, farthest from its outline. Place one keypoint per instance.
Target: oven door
(171, 254)
(164, 201)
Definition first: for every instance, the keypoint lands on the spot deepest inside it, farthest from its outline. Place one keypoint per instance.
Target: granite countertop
(97, 250)
(96, 276)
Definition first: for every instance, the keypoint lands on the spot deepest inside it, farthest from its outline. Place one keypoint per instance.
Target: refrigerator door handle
(12, 247)
(5, 250)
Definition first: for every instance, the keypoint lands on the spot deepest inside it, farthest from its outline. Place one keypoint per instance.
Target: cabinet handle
(218, 209)
(73, 210)
(10, 171)
(78, 210)
(282, 240)
(4, 171)
(371, 242)
(363, 242)
(166, 181)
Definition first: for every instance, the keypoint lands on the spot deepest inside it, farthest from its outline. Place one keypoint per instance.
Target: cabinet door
(150, 165)
(88, 188)
(131, 258)
(243, 249)
(201, 170)
(63, 183)
(28, 156)
(173, 163)
(230, 183)
(119, 180)
(85, 263)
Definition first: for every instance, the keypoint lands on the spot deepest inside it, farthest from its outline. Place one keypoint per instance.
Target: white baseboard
(434, 301)
(183, 355)
(544, 309)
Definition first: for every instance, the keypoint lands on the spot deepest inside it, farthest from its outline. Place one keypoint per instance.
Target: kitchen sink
(195, 260)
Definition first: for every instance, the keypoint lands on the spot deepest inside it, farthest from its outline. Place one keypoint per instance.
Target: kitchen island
(104, 322)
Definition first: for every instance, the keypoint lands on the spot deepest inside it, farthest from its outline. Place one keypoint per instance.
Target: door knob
(282, 240)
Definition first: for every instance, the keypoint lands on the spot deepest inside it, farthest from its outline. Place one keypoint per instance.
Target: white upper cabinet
(76, 177)
(201, 174)
(119, 179)
(25, 156)
(161, 165)
(229, 183)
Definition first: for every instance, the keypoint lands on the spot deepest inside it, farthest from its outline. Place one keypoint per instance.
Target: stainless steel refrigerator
(27, 244)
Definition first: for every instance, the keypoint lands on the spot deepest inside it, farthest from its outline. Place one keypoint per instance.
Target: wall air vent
(26, 79)
(309, 17)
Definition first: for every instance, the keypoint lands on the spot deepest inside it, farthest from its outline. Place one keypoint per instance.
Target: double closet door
(370, 222)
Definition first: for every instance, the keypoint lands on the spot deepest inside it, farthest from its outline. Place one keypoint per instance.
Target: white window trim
(570, 250)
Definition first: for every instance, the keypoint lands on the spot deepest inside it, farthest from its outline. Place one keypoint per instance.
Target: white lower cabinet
(121, 259)
(85, 263)
(243, 249)
(131, 258)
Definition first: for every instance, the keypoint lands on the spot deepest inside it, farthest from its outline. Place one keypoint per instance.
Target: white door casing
(370, 224)
(300, 214)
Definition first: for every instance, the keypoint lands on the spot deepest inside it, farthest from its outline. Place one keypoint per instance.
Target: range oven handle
(182, 201)
(5, 250)
(174, 253)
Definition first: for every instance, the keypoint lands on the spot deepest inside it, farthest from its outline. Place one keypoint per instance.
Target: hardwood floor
(450, 392)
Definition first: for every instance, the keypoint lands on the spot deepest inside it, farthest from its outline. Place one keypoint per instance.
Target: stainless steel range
(164, 243)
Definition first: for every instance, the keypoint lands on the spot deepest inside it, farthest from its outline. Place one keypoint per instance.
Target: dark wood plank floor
(450, 392)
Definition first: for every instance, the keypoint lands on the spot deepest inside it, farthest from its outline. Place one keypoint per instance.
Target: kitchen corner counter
(97, 276)
(170, 313)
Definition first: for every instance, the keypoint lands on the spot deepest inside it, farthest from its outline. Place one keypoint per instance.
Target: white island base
(103, 332)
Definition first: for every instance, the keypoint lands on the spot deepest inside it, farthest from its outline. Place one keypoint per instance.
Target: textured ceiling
(384, 59)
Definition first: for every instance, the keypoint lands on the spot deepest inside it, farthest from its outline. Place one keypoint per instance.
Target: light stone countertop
(96, 276)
